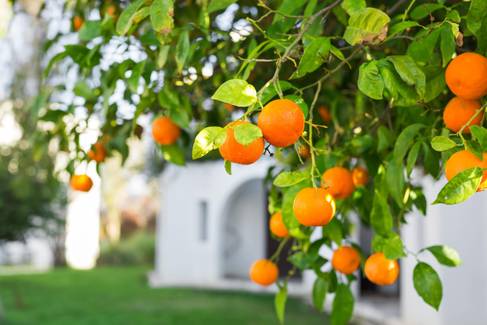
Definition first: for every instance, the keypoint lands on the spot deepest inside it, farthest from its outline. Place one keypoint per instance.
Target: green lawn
(121, 296)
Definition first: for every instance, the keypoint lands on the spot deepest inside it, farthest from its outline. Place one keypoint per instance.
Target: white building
(212, 226)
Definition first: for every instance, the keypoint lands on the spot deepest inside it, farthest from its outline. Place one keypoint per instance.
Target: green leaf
(368, 25)
(280, 304)
(82, 89)
(313, 57)
(286, 179)
(208, 139)
(353, 6)
(480, 134)
(247, 133)
(412, 157)
(391, 246)
(216, 5)
(396, 90)
(424, 10)
(405, 140)
(476, 16)
(409, 72)
(320, 288)
(334, 231)
(90, 30)
(460, 187)
(55, 59)
(161, 16)
(401, 26)
(173, 154)
(428, 284)
(271, 92)
(386, 138)
(342, 308)
(236, 92)
(182, 50)
(288, 216)
(442, 143)
(395, 180)
(228, 167)
(125, 20)
(380, 216)
(370, 81)
(447, 44)
(162, 56)
(422, 49)
(445, 255)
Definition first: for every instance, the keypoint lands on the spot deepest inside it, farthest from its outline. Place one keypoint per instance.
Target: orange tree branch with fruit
(347, 97)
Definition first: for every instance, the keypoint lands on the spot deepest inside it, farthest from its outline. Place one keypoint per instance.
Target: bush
(138, 249)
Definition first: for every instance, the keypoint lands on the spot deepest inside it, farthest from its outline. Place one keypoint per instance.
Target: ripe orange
(339, 181)
(264, 272)
(360, 176)
(466, 75)
(78, 22)
(345, 260)
(235, 152)
(165, 131)
(281, 122)
(314, 206)
(277, 226)
(98, 152)
(81, 183)
(303, 151)
(459, 111)
(462, 160)
(324, 114)
(228, 107)
(381, 270)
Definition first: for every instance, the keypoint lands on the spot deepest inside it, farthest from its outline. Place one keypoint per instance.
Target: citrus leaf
(460, 187)
(216, 5)
(320, 288)
(236, 92)
(428, 284)
(409, 72)
(313, 57)
(442, 143)
(126, 18)
(412, 157)
(161, 16)
(395, 180)
(445, 255)
(286, 179)
(480, 134)
(208, 139)
(280, 304)
(182, 50)
(368, 25)
(228, 167)
(247, 133)
(424, 10)
(380, 216)
(405, 140)
(391, 246)
(370, 81)
(173, 154)
(352, 6)
(342, 308)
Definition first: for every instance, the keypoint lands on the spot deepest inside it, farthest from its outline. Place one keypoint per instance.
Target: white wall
(462, 227)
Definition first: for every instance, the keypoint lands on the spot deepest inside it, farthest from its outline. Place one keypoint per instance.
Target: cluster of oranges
(466, 76)
(83, 182)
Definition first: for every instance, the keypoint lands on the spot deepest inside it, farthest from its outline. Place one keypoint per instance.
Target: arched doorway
(243, 225)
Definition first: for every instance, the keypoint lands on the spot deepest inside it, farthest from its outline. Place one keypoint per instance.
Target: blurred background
(157, 244)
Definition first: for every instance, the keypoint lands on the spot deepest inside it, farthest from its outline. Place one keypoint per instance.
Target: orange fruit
(381, 270)
(281, 122)
(466, 75)
(345, 260)
(81, 183)
(98, 152)
(339, 181)
(324, 114)
(78, 22)
(165, 131)
(228, 107)
(303, 151)
(459, 111)
(235, 152)
(111, 10)
(360, 176)
(314, 206)
(277, 226)
(264, 272)
(462, 160)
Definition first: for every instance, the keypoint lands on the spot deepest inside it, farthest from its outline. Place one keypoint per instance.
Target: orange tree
(348, 98)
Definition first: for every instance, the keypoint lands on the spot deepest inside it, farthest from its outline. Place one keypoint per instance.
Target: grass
(121, 296)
